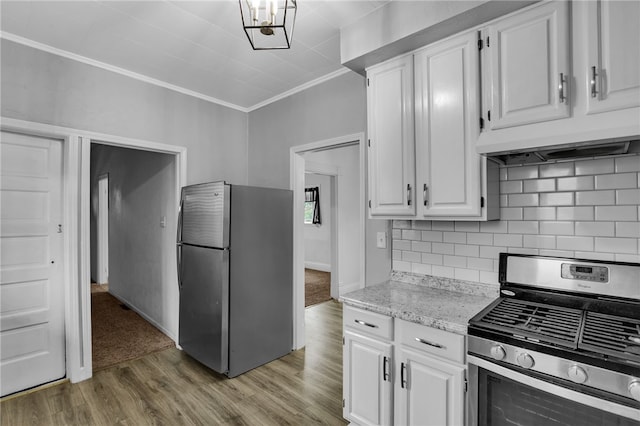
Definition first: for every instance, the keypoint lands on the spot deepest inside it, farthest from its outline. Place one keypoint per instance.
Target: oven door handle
(601, 404)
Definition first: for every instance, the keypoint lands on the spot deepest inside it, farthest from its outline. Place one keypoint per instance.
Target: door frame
(102, 234)
(296, 183)
(76, 213)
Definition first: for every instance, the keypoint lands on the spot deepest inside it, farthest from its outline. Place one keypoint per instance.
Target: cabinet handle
(403, 382)
(594, 75)
(561, 87)
(385, 369)
(425, 194)
(366, 323)
(408, 194)
(426, 342)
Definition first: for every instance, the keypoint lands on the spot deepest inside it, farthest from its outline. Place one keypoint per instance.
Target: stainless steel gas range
(560, 346)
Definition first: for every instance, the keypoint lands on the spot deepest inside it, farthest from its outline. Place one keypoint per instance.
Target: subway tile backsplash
(585, 208)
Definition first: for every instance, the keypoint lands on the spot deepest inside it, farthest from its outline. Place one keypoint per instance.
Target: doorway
(131, 204)
(299, 157)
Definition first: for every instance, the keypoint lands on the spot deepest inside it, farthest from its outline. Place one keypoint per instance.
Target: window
(312, 205)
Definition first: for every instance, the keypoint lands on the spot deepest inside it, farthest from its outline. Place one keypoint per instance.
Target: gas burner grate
(612, 335)
(536, 322)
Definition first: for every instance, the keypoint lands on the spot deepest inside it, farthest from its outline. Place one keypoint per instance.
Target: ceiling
(198, 47)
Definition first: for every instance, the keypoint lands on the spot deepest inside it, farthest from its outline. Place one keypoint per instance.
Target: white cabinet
(391, 138)
(446, 106)
(432, 392)
(366, 372)
(367, 388)
(431, 365)
(452, 180)
(527, 67)
(612, 74)
(560, 73)
(414, 378)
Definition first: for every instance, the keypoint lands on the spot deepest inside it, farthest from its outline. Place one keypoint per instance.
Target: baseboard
(317, 266)
(146, 317)
(346, 288)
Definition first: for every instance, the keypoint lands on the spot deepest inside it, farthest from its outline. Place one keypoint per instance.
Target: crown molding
(118, 70)
(144, 78)
(300, 88)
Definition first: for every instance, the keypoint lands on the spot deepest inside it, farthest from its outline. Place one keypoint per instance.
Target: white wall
(329, 110)
(317, 238)
(45, 88)
(346, 161)
(140, 250)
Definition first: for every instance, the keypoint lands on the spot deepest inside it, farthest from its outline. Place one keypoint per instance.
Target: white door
(391, 138)
(103, 230)
(613, 74)
(31, 288)
(367, 380)
(448, 168)
(432, 393)
(530, 70)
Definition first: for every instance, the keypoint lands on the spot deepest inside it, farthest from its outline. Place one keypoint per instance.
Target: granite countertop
(435, 302)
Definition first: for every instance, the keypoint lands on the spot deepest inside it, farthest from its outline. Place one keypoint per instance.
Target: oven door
(501, 396)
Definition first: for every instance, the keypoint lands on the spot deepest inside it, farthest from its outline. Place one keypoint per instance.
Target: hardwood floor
(170, 388)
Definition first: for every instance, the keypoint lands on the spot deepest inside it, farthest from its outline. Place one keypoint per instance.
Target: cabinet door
(367, 380)
(612, 78)
(528, 64)
(432, 393)
(391, 138)
(447, 127)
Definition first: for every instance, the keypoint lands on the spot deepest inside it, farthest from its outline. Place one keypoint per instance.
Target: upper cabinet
(561, 73)
(527, 67)
(430, 171)
(391, 138)
(613, 57)
(446, 106)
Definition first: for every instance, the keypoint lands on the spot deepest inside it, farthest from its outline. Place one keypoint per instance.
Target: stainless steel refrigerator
(235, 272)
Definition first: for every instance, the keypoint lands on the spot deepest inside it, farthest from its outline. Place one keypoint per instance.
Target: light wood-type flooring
(170, 388)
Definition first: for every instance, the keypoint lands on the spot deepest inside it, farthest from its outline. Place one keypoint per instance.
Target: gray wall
(331, 109)
(45, 88)
(141, 253)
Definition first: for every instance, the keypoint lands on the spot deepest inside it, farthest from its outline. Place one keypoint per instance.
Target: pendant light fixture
(268, 23)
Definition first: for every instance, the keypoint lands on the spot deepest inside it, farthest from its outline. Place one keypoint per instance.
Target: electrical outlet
(163, 222)
(381, 240)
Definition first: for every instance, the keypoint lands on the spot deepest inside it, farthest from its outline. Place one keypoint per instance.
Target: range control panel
(593, 273)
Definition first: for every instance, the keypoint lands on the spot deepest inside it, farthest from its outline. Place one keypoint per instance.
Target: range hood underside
(571, 152)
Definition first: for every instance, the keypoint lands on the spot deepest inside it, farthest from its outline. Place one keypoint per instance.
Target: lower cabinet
(430, 391)
(401, 373)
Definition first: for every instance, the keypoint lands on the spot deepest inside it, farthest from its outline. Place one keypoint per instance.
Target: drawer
(447, 345)
(368, 322)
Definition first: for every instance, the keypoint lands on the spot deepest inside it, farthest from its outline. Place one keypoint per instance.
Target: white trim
(321, 169)
(77, 271)
(144, 78)
(102, 236)
(296, 181)
(141, 77)
(147, 318)
(317, 266)
(300, 88)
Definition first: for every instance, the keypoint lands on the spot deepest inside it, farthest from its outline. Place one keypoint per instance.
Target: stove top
(605, 336)
(576, 308)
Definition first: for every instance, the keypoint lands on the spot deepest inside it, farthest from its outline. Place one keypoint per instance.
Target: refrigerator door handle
(179, 245)
(179, 263)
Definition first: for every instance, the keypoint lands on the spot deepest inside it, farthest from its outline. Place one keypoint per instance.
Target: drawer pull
(366, 323)
(426, 342)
